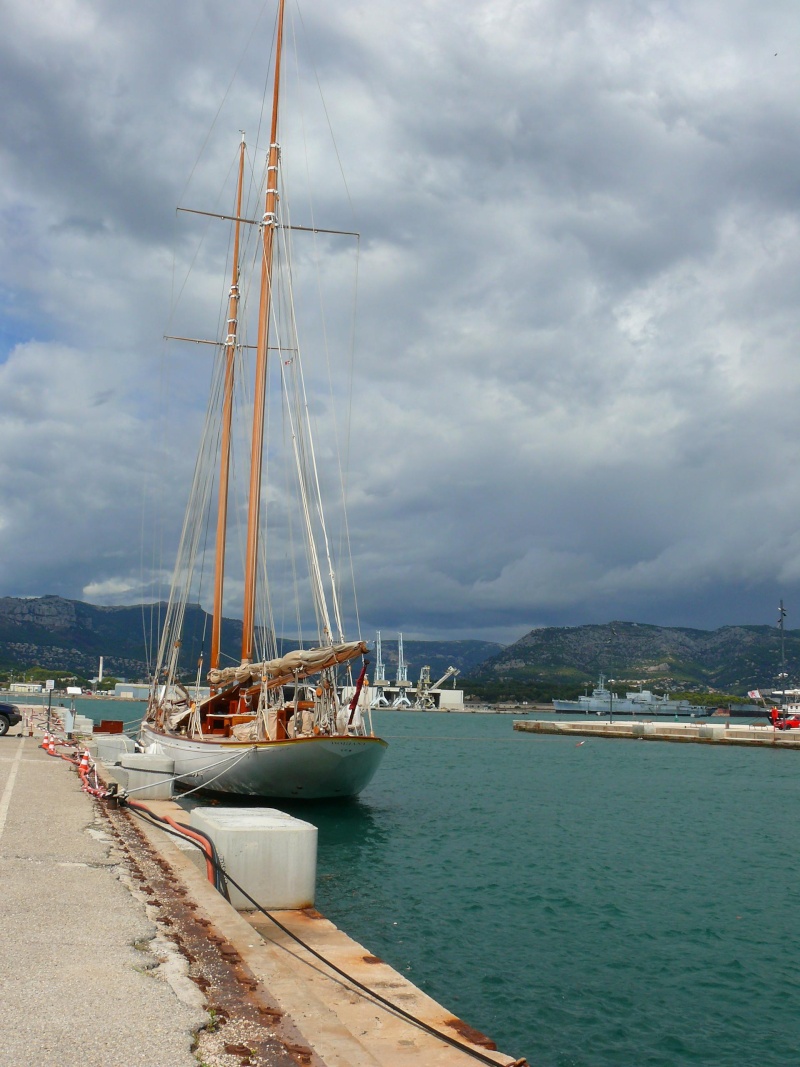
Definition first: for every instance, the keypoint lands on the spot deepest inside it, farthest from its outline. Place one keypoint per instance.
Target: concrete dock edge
(680, 732)
(178, 976)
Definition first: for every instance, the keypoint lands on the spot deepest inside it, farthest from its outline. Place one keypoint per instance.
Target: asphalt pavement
(83, 982)
(88, 978)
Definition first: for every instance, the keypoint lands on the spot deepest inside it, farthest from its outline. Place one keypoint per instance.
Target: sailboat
(274, 724)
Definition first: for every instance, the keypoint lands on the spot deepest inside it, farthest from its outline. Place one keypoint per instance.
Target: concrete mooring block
(149, 777)
(269, 853)
(110, 748)
(643, 729)
(713, 732)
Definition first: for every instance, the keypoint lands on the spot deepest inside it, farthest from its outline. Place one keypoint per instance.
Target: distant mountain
(733, 658)
(70, 635)
(61, 634)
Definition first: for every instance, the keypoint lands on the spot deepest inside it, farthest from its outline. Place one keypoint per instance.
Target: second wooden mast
(269, 225)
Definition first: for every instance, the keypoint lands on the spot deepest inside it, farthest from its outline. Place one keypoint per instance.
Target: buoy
(580, 743)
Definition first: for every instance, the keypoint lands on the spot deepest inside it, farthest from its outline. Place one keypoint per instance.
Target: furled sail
(298, 664)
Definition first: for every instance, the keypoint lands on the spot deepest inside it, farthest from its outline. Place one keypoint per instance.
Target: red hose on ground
(83, 774)
(185, 830)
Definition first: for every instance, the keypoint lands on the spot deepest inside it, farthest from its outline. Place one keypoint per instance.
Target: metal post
(781, 617)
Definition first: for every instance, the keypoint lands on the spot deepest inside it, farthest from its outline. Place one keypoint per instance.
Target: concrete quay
(706, 733)
(118, 952)
(80, 967)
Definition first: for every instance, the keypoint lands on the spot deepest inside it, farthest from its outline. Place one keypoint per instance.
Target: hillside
(70, 635)
(60, 634)
(733, 658)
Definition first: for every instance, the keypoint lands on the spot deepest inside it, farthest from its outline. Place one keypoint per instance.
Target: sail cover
(297, 664)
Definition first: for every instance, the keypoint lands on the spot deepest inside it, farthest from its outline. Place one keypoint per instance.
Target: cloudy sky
(576, 391)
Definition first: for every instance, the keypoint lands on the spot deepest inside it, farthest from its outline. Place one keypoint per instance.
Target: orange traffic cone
(45, 741)
(51, 748)
(84, 764)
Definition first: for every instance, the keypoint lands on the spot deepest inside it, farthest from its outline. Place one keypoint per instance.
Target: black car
(10, 715)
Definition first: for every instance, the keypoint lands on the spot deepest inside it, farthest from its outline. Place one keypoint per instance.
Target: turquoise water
(611, 903)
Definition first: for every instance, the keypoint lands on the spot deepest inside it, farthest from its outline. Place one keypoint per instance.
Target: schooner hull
(307, 768)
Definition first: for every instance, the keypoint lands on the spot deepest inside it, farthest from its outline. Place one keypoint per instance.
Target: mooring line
(5, 800)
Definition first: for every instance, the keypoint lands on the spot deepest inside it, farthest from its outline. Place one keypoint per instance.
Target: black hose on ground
(220, 878)
(371, 992)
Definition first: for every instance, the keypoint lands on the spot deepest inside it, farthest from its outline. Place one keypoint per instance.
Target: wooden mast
(259, 399)
(227, 419)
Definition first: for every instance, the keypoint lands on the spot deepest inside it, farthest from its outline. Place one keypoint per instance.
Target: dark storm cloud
(576, 375)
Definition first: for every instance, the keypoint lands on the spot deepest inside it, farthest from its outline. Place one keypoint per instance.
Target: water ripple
(609, 905)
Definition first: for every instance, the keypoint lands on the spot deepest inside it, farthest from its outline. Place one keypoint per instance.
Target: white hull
(306, 768)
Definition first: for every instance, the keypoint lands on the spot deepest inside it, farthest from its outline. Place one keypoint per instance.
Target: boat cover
(298, 664)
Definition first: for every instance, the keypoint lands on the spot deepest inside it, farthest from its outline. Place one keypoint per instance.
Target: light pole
(611, 649)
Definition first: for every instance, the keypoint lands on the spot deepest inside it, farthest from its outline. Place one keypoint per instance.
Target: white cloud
(106, 592)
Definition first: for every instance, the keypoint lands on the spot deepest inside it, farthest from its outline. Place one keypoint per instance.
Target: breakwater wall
(638, 730)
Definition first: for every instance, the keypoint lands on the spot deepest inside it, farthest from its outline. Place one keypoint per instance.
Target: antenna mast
(781, 617)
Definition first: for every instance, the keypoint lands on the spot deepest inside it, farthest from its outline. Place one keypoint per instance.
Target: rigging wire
(344, 473)
(327, 351)
(168, 629)
(206, 229)
(298, 413)
(311, 475)
(300, 449)
(250, 38)
(328, 120)
(343, 467)
(292, 554)
(234, 762)
(196, 510)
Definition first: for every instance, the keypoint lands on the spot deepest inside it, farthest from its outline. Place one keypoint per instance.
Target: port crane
(402, 682)
(425, 690)
(379, 681)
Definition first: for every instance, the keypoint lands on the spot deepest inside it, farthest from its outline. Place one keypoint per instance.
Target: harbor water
(586, 905)
(591, 904)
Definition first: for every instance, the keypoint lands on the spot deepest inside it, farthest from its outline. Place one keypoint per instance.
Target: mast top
(262, 347)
